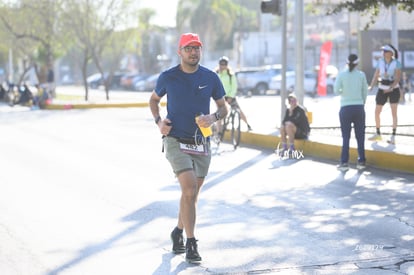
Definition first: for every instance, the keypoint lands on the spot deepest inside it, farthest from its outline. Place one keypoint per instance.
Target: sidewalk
(325, 140)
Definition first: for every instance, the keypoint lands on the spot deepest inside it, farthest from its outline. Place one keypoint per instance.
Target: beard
(192, 61)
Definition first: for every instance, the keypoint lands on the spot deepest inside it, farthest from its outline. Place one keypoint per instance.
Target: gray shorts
(181, 161)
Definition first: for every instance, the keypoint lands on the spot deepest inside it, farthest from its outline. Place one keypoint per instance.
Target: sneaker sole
(178, 251)
(193, 261)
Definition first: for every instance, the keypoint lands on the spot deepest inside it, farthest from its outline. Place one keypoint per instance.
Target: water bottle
(206, 131)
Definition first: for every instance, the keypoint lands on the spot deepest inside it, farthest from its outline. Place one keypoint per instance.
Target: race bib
(199, 149)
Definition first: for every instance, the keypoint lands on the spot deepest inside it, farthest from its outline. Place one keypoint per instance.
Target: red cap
(188, 38)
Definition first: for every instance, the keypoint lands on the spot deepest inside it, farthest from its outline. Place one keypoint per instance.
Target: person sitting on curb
(295, 125)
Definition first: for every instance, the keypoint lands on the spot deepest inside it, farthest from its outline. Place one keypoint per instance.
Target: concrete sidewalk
(399, 157)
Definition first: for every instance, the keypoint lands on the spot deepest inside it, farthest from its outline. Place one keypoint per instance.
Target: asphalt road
(89, 192)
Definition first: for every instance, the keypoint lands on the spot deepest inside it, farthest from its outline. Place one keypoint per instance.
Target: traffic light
(272, 6)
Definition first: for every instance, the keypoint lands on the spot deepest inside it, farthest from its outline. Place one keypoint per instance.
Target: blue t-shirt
(188, 94)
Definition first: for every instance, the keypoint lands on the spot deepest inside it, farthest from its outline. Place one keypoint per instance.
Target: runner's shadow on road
(138, 218)
(213, 180)
(165, 265)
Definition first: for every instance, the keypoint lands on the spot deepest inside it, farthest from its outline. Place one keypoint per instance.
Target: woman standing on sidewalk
(388, 75)
(351, 84)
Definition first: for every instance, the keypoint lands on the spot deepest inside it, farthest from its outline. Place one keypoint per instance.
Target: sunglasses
(189, 49)
(223, 64)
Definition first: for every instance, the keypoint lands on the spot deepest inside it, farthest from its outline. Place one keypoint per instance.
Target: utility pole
(394, 27)
(279, 7)
(283, 95)
(299, 48)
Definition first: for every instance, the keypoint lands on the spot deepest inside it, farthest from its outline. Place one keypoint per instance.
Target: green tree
(370, 7)
(91, 25)
(214, 20)
(146, 51)
(30, 25)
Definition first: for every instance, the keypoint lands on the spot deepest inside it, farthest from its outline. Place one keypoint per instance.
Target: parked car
(115, 82)
(256, 80)
(138, 78)
(330, 82)
(129, 79)
(96, 80)
(331, 73)
(147, 84)
(309, 82)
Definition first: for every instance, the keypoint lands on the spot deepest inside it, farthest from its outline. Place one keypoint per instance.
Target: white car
(309, 83)
(256, 80)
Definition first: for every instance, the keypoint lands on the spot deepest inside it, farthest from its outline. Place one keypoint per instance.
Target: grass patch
(70, 97)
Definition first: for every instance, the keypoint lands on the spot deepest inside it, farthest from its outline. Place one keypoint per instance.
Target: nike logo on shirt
(202, 87)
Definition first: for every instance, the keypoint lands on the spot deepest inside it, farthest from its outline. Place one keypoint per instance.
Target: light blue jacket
(352, 87)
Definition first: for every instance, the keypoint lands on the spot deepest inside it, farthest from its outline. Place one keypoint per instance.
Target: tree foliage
(215, 20)
(371, 7)
(91, 24)
(30, 28)
(39, 31)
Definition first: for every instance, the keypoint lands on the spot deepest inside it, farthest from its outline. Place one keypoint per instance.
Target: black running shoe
(191, 253)
(178, 242)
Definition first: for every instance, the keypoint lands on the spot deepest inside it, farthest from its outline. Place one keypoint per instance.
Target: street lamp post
(299, 51)
(279, 7)
(394, 28)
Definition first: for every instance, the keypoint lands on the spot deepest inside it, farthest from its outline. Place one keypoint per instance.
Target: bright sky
(165, 11)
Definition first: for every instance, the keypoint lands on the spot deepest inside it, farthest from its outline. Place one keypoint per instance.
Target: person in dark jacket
(295, 125)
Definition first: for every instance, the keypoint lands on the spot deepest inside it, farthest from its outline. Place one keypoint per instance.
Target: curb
(97, 105)
(379, 159)
(375, 158)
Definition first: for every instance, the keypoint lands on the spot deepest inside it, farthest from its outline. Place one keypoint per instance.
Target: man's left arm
(221, 112)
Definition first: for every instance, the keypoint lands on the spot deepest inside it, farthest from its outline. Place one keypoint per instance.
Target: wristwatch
(217, 116)
(157, 119)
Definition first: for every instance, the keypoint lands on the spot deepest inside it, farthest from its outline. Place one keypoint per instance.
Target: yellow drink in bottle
(206, 131)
